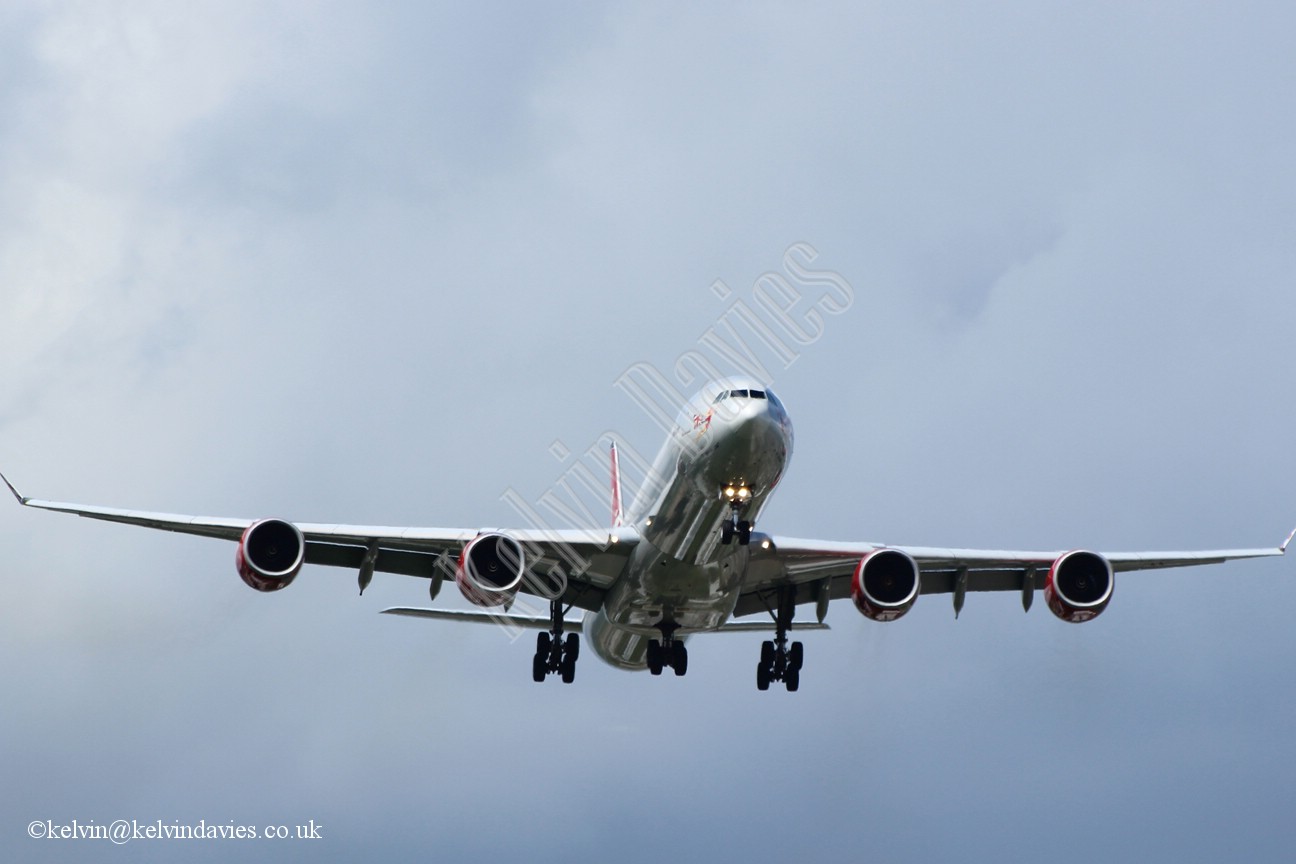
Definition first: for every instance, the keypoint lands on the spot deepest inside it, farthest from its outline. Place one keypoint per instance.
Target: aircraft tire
(679, 659)
(654, 657)
(572, 646)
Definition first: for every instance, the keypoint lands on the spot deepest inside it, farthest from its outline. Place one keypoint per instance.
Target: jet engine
(885, 584)
(490, 569)
(1079, 586)
(270, 554)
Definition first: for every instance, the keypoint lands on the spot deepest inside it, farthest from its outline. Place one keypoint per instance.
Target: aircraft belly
(614, 645)
(657, 587)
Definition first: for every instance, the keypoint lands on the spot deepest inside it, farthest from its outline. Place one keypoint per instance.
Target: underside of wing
(490, 565)
(504, 619)
(885, 580)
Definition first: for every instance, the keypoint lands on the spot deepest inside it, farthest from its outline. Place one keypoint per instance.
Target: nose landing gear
(738, 495)
(735, 527)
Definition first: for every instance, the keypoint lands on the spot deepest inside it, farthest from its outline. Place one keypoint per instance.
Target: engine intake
(270, 554)
(885, 584)
(490, 569)
(1079, 586)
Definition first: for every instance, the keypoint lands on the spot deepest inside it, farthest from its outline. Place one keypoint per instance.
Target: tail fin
(617, 513)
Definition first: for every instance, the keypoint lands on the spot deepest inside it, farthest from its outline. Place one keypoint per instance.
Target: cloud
(333, 262)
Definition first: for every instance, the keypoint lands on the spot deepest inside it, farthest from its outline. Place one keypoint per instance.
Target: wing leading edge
(826, 568)
(590, 560)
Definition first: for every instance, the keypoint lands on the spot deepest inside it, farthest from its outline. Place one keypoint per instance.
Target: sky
(387, 263)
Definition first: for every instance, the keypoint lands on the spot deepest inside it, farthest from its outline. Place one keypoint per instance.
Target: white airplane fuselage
(681, 575)
(682, 559)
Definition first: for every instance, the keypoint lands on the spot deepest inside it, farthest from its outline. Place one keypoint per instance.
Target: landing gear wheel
(735, 526)
(553, 653)
(796, 654)
(667, 651)
(778, 660)
(654, 657)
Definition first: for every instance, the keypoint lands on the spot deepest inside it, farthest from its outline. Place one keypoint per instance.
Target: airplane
(684, 558)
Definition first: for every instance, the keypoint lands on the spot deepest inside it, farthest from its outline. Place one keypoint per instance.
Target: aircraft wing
(822, 570)
(590, 560)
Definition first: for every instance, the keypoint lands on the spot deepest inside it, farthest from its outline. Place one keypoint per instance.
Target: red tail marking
(616, 490)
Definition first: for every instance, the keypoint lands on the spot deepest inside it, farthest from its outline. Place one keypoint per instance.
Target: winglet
(1282, 548)
(617, 513)
(21, 499)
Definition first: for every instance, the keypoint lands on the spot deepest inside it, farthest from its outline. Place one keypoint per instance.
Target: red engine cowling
(490, 569)
(1079, 586)
(270, 554)
(885, 584)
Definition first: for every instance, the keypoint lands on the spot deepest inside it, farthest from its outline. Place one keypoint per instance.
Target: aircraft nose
(756, 411)
(765, 419)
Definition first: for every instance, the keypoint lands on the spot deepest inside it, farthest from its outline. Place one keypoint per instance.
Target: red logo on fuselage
(702, 422)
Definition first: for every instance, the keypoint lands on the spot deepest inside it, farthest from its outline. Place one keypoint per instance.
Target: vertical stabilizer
(617, 515)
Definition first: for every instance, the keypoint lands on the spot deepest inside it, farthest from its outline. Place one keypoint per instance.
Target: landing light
(730, 491)
(744, 492)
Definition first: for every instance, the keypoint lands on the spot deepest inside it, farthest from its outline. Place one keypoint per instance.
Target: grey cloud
(368, 264)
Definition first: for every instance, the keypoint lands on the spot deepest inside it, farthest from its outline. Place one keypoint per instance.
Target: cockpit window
(745, 394)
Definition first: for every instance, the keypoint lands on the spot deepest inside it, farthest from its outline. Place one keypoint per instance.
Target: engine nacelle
(270, 554)
(885, 584)
(490, 569)
(1079, 586)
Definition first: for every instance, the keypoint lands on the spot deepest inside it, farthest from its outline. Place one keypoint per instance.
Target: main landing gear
(778, 661)
(669, 651)
(553, 652)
